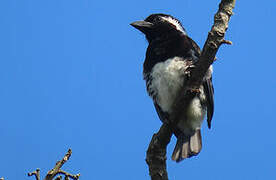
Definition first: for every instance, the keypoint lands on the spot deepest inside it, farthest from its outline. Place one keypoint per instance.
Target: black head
(158, 25)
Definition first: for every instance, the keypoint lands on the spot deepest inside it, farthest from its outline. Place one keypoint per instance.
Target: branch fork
(57, 171)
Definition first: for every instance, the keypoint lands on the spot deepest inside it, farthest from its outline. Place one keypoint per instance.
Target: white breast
(167, 79)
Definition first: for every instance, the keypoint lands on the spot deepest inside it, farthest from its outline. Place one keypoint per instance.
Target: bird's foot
(189, 69)
(195, 90)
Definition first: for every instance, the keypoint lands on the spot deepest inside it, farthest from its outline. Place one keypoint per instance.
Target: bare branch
(52, 173)
(68, 175)
(36, 173)
(156, 153)
(57, 171)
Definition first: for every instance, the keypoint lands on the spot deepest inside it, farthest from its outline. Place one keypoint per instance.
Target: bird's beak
(142, 25)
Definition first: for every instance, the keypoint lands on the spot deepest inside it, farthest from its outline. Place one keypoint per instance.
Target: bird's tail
(187, 146)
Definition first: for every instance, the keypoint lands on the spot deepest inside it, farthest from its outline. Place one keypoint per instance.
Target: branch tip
(226, 42)
(68, 175)
(36, 173)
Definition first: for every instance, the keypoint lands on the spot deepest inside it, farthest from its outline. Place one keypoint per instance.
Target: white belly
(167, 79)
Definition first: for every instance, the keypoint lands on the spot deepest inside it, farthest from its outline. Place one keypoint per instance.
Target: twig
(36, 173)
(68, 175)
(156, 153)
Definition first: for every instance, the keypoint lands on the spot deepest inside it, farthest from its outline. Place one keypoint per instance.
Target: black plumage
(169, 56)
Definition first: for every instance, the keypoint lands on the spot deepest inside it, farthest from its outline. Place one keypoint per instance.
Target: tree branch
(156, 153)
(56, 170)
(36, 173)
(52, 173)
(68, 175)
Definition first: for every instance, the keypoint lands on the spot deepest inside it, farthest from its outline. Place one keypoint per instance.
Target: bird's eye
(159, 18)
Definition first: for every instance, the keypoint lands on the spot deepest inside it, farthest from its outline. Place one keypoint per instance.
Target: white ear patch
(174, 22)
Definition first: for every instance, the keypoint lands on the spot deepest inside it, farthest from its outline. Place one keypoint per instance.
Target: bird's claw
(195, 90)
(188, 70)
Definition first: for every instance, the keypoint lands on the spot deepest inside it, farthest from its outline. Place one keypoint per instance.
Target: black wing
(163, 116)
(209, 92)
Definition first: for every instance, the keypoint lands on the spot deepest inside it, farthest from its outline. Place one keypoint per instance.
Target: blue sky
(71, 77)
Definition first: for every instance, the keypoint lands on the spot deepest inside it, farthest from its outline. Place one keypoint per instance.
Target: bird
(170, 55)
